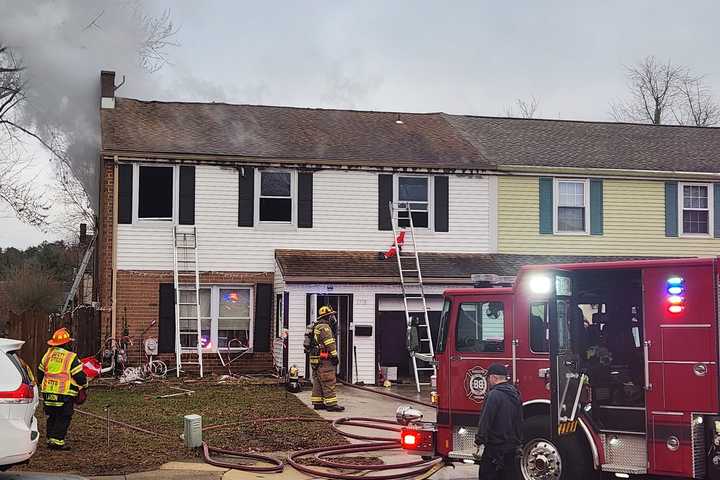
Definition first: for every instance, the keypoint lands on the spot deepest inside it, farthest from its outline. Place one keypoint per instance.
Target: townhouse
(288, 208)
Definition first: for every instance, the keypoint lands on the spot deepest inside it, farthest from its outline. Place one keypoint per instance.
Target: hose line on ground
(387, 394)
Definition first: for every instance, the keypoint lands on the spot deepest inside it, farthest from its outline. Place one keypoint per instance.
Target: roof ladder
(411, 282)
(188, 323)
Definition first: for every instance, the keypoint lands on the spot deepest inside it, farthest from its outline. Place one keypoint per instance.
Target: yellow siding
(634, 223)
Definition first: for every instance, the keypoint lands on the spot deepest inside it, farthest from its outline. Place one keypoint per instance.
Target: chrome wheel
(540, 460)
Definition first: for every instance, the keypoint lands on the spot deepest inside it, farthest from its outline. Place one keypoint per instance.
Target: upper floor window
(413, 191)
(571, 206)
(695, 201)
(275, 200)
(480, 327)
(155, 192)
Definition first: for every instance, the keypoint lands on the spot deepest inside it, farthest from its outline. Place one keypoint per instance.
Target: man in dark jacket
(500, 429)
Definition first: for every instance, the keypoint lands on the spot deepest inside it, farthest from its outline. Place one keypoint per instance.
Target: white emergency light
(540, 284)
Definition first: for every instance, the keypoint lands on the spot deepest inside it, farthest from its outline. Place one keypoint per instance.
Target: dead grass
(132, 451)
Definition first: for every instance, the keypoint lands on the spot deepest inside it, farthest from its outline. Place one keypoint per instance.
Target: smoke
(63, 45)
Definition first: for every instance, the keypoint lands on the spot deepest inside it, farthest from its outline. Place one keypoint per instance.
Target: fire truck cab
(617, 364)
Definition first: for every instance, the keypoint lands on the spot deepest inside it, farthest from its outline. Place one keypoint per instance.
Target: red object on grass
(91, 367)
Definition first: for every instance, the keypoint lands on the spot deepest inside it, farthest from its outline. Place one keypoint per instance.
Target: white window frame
(430, 196)
(710, 209)
(136, 195)
(556, 204)
(215, 312)
(293, 198)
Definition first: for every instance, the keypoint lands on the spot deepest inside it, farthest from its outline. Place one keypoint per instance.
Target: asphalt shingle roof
(309, 135)
(562, 143)
(424, 140)
(366, 266)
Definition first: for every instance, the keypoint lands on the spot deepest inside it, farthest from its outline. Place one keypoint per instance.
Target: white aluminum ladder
(413, 291)
(187, 279)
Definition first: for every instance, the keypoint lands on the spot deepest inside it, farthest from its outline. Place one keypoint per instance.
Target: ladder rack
(188, 323)
(413, 290)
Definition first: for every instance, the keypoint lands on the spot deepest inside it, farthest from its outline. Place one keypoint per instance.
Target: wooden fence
(35, 328)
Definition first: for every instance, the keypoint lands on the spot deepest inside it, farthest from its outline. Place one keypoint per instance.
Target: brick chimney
(107, 89)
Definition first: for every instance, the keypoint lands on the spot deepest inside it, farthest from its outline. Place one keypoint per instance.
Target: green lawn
(132, 451)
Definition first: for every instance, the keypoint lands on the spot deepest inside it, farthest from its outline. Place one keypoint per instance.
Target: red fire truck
(617, 363)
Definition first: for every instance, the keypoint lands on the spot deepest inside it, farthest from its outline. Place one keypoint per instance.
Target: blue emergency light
(676, 289)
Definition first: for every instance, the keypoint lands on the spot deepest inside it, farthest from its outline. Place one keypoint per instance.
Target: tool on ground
(411, 282)
(188, 323)
(357, 375)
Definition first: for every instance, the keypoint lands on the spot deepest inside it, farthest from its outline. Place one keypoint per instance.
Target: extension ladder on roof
(188, 323)
(411, 281)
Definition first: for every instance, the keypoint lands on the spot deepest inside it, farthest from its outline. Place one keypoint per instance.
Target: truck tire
(544, 459)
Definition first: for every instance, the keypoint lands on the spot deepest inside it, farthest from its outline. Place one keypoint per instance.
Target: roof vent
(486, 280)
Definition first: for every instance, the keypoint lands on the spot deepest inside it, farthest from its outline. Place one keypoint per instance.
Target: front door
(342, 304)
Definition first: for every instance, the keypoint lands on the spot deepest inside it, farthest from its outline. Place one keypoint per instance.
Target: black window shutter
(125, 193)
(166, 319)
(263, 317)
(305, 200)
(385, 196)
(187, 196)
(442, 204)
(246, 197)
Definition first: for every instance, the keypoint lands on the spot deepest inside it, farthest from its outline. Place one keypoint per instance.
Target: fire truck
(617, 364)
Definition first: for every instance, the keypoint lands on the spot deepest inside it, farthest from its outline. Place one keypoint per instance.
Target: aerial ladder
(411, 282)
(188, 322)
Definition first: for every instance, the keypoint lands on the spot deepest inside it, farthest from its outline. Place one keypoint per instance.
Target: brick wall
(138, 299)
(104, 246)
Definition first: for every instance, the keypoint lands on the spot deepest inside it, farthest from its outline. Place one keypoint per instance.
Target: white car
(18, 400)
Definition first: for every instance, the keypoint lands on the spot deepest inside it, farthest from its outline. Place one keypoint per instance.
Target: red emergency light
(676, 299)
(409, 440)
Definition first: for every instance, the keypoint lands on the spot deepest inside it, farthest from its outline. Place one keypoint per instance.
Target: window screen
(571, 207)
(480, 327)
(696, 209)
(413, 192)
(155, 195)
(275, 197)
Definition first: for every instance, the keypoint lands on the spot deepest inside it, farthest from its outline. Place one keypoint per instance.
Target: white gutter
(525, 170)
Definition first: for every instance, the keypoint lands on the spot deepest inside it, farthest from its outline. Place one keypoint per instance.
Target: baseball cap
(497, 369)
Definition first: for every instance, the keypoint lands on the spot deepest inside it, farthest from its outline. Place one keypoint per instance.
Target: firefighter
(323, 360)
(61, 378)
(500, 428)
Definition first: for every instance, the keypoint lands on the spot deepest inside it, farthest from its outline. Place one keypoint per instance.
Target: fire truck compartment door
(566, 381)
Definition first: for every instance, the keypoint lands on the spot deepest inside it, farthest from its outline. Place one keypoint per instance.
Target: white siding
(345, 217)
(278, 289)
(363, 314)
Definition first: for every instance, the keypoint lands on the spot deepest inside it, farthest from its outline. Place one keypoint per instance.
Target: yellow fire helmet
(325, 310)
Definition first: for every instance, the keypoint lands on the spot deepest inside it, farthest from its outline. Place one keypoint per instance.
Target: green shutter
(546, 205)
(671, 209)
(716, 210)
(596, 207)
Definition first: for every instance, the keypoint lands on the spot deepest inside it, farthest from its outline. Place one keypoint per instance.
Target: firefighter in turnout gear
(323, 360)
(61, 378)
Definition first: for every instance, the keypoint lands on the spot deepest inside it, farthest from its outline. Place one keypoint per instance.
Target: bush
(32, 288)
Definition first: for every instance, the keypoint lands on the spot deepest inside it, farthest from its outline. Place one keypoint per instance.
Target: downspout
(113, 327)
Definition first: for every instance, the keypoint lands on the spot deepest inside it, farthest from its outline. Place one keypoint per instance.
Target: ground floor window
(225, 314)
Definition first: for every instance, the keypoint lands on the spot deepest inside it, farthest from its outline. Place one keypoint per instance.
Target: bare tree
(16, 188)
(696, 105)
(525, 108)
(653, 88)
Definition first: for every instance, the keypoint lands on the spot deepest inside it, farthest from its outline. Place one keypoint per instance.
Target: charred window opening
(155, 192)
(276, 197)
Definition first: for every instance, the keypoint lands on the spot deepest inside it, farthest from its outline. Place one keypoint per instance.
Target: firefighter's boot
(334, 408)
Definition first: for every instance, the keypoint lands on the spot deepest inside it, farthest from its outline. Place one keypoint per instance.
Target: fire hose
(418, 467)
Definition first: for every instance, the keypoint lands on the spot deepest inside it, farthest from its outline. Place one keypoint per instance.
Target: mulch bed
(138, 405)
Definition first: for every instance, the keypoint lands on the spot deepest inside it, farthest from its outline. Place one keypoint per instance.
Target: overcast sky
(473, 57)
